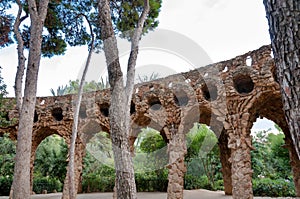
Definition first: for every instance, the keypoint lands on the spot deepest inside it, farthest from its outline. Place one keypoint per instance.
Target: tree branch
(134, 51)
(21, 57)
(109, 43)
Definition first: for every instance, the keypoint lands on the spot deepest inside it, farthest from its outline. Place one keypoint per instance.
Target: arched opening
(150, 161)
(82, 111)
(202, 159)
(181, 98)
(243, 83)
(50, 165)
(57, 114)
(98, 164)
(209, 91)
(272, 171)
(154, 103)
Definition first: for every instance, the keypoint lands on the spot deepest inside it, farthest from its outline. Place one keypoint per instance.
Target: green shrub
(46, 183)
(273, 188)
(151, 182)
(219, 185)
(5, 184)
(195, 182)
(97, 183)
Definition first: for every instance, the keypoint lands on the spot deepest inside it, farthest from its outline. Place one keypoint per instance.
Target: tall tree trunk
(119, 111)
(72, 183)
(21, 182)
(283, 18)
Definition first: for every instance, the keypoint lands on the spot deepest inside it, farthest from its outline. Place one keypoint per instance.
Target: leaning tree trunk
(21, 182)
(71, 166)
(283, 17)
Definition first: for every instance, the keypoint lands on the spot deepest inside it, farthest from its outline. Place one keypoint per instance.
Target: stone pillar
(295, 163)
(79, 154)
(225, 153)
(240, 143)
(176, 150)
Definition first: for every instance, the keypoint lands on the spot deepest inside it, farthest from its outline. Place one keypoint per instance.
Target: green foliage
(151, 153)
(5, 184)
(6, 21)
(97, 183)
(270, 159)
(3, 115)
(151, 181)
(202, 157)
(7, 155)
(51, 158)
(45, 183)
(99, 173)
(145, 78)
(65, 23)
(151, 141)
(273, 187)
(73, 87)
(96, 175)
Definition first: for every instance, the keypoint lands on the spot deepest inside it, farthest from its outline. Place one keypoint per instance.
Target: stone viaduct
(228, 96)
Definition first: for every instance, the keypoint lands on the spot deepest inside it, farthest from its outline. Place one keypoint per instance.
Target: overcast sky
(223, 28)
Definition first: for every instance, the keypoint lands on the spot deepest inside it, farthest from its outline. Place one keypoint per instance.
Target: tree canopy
(65, 23)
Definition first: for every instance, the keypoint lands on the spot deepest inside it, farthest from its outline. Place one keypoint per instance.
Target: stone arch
(90, 128)
(270, 106)
(38, 136)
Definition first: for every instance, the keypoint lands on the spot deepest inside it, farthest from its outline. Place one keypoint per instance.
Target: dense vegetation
(270, 161)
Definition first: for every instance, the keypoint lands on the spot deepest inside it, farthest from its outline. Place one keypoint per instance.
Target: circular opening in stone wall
(209, 91)
(104, 109)
(181, 98)
(243, 83)
(154, 103)
(57, 114)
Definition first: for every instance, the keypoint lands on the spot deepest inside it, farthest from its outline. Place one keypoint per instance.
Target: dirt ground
(188, 194)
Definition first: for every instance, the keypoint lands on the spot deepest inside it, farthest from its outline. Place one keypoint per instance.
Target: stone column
(176, 150)
(295, 163)
(240, 143)
(225, 153)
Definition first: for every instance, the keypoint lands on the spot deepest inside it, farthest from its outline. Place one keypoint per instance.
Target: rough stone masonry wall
(228, 96)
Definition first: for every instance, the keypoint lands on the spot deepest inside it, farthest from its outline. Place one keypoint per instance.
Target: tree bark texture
(21, 57)
(21, 182)
(71, 165)
(284, 28)
(119, 111)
